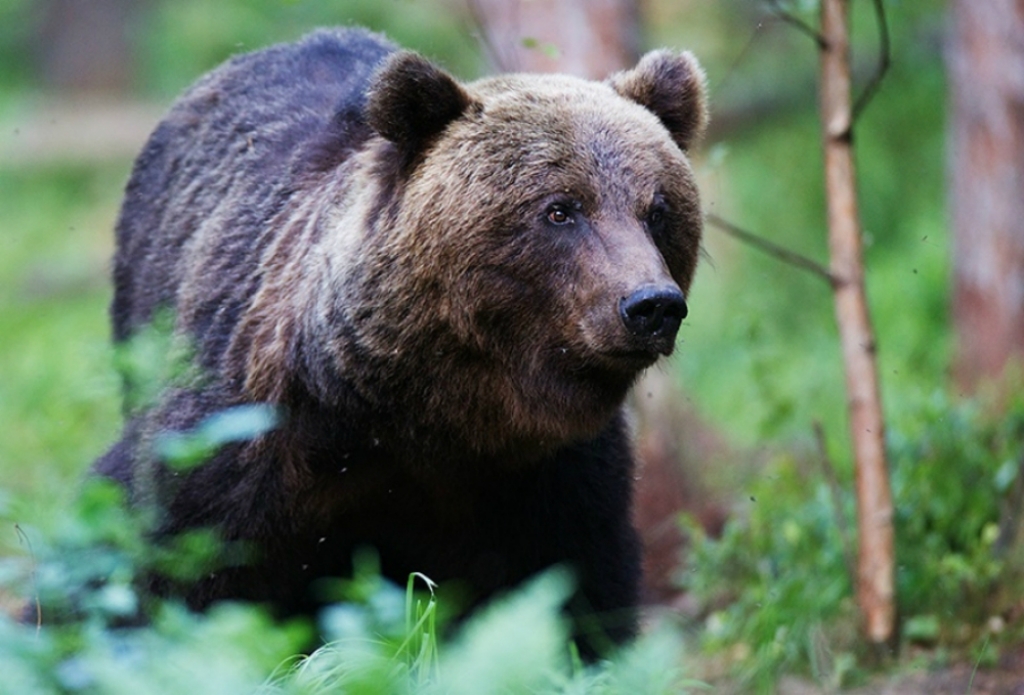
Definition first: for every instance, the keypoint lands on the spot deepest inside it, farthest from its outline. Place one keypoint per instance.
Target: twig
(832, 479)
(23, 538)
(774, 250)
(791, 19)
(977, 662)
(734, 65)
(884, 61)
(1009, 510)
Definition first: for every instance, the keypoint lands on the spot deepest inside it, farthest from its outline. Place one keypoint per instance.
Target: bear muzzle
(652, 315)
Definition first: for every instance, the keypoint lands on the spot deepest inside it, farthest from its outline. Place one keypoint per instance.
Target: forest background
(758, 461)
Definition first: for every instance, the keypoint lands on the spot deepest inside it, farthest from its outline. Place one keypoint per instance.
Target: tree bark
(587, 38)
(875, 574)
(986, 69)
(85, 47)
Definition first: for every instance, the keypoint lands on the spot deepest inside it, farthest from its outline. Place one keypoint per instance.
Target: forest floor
(1003, 678)
(959, 679)
(956, 679)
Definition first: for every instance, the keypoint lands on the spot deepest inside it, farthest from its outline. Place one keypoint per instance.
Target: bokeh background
(730, 419)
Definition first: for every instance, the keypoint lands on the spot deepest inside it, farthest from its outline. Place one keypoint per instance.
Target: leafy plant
(775, 587)
(89, 628)
(954, 480)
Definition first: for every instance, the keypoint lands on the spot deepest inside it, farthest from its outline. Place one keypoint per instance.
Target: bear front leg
(584, 518)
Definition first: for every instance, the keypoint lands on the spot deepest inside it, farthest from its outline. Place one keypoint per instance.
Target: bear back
(227, 158)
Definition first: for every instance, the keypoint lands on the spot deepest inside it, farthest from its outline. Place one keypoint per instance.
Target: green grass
(59, 401)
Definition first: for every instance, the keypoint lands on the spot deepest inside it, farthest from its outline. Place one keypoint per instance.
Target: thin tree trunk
(986, 69)
(84, 47)
(587, 38)
(876, 564)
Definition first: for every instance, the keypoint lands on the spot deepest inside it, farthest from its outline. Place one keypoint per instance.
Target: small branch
(1010, 508)
(802, 26)
(23, 538)
(774, 250)
(836, 491)
(884, 61)
(721, 84)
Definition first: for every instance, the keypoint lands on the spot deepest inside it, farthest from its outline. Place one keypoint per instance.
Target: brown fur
(428, 278)
(568, 138)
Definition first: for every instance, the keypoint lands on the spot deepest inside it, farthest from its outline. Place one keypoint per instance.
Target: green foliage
(183, 450)
(776, 587)
(182, 39)
(58, 395)
(151, 360)
(228, 651)
(174, 41)
(87, 570)
(954, 478)
(759, 359)
(97, 631)
(775, 584)
(90, 629)
(82, 585)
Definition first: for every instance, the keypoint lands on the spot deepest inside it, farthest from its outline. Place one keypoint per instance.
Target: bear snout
(653, 314)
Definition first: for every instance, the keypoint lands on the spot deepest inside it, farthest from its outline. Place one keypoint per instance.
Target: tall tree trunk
(986, 69)
(588, 38)
(83, 45)
(876, 562)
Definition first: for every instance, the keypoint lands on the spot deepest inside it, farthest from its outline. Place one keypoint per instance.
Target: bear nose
(654, 313)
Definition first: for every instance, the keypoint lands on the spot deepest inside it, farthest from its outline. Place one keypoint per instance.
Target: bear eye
(559, 215)
(655, 219)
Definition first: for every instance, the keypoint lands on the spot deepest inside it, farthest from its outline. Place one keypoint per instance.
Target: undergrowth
(775, 588)
(89, 627)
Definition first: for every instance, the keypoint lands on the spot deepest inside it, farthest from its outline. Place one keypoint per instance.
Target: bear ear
(411, 100)
(670, 85)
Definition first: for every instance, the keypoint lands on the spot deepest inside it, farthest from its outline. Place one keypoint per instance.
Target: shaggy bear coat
(445, 290)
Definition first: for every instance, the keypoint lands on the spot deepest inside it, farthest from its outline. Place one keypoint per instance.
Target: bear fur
(445, 289)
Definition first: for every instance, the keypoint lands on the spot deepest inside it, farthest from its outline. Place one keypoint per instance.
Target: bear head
(513, 252)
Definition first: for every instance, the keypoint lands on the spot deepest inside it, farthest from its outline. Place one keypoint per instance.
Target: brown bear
(446, 291)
